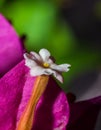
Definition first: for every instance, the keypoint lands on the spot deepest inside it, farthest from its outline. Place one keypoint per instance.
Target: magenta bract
(84, 114)
(10, 47)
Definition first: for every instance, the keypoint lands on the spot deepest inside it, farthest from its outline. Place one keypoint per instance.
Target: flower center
(46, 65)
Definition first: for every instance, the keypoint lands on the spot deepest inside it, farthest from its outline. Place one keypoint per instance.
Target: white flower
(42, 63)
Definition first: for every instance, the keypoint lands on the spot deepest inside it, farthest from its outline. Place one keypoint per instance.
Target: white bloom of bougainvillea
(43, 64)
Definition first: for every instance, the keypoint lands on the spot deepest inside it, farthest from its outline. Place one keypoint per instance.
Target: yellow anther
(46, 65)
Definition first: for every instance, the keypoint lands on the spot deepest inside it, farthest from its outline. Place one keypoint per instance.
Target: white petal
(50, 61)
(48, 71)
(57, 75)
(36, 71)
(60, 68)
(29, 62)
(27, 56)
(35, 56)
(45, 54)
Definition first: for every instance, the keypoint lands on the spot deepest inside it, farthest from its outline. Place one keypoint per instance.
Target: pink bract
(11, 51)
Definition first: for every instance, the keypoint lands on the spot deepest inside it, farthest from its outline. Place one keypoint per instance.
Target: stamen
(46, 65)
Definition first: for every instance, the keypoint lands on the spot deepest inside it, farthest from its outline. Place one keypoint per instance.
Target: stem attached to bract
(27, 117)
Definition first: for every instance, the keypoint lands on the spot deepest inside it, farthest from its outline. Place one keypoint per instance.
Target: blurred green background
(69, 29)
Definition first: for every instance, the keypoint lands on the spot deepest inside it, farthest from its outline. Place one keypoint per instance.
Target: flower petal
(11, 50)
(57, 75)
(29, 62)
(50, 61)
(60, 68)
(37, 70)
(84, 111)
(36, 57)
(53, 111)
(11, 89)
(45, 54)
